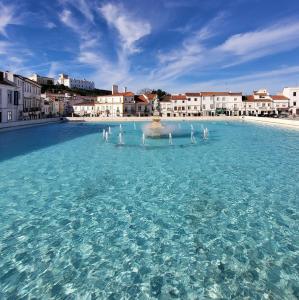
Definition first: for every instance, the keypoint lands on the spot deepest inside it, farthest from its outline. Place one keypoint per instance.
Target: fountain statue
(155, 129)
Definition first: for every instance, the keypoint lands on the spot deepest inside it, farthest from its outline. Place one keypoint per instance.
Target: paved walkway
(28, 123)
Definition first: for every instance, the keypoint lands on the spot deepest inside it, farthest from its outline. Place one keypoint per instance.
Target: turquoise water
(85, 219)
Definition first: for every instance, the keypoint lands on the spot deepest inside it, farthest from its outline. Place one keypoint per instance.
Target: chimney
(125, 89)
(114, 89)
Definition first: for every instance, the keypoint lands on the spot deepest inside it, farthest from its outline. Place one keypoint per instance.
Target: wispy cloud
(88, 54)
(238, 48)
(83, 6)
(130, 28)
(50, 25)
(8, 16)
(67, 18)
(276, 38)
(274, 80)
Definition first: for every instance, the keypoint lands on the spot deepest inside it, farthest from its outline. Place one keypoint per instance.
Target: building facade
(9, 100)
(62, 104)
(202, 104)
(143, 105)
(42, 80)
(293, 94)
(280, 104)
(85, 109)
(75, 83)
(30, 96)
(116, 105)
(261, 103)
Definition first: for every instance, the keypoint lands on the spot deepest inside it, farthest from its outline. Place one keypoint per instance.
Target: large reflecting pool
(81, 218)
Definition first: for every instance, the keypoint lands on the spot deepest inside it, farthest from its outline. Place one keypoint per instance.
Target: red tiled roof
(178, 97)
(141, 99)
(193, 94)
(279, 97)
(250, 98)
(151, 96)
(165, 98)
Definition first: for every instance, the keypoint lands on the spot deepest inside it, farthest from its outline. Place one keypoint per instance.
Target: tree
(145, 91)
(159, 92)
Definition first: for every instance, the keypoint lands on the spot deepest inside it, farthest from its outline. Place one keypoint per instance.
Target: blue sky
(179, 46)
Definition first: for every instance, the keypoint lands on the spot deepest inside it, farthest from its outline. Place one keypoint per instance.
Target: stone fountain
(155, 129)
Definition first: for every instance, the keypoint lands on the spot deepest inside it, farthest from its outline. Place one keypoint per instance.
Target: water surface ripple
(85, 219)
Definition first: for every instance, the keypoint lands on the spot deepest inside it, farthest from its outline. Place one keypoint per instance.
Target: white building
(42, 79)
(194, 104)
(75, 83)
(86, 109)
(143, 105)
(258, 104)
(30, 96)
(293, 94)
(116, 105)
(179, 105)
(166, 106)
(9, 100)
(280, 103)
(202, 104)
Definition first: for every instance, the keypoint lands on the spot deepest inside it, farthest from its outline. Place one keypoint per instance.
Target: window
(223, 98)
(203, 106)
(183, 101)
(16, 98)
(0, 96)
(189, 99)
(294, 103)
(218, 98)
(294, 94)
(9, 97)
(175, 108)
(9, 116)
(235, 99)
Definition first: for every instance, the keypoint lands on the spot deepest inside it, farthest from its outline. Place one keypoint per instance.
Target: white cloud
(12, 55)
(54, 69)
(274, 80)
(50, 25)
(83, 6)
(66, 17)
(4, 47)
(194, 54)
(8, 16)
(130, 28)
(276, 38)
